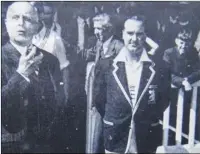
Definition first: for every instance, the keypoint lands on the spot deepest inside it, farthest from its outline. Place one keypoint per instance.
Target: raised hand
(29, 62)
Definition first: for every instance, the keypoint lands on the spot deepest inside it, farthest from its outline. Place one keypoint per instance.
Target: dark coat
(94, 121)
(112, 99)
(182, 66)
(43, 95)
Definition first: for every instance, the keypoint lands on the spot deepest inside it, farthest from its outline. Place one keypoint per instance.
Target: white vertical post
(166, 117)
(192, 117)
(179, 119)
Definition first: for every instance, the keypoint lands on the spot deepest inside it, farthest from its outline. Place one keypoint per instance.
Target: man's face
(100, 31)
(133, 35)
(21, 22)
(182, 45)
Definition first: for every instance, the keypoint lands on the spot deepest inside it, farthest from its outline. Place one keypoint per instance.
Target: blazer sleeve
(56, 77)
(164, 87)
(195, 76)
(13, 89)
(15, 85)
(100, 88)
(175, 80)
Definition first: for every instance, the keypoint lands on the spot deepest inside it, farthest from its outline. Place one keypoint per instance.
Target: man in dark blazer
(184, 65)
(31, 90)
(131, 93)
(107, 46)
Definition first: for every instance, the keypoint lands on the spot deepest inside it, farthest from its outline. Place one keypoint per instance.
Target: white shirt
(20, 49)
(106, 45)
(53, 44)
(197, 42)
(133, 71)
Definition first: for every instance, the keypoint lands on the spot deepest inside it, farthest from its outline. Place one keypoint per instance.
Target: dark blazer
(112, 100)
(181, 66)
(29, 105)
(94, 120)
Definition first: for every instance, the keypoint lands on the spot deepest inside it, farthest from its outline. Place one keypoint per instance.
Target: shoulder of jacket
(48, 57)
(170, 51)
(118, 43)
(105, 63)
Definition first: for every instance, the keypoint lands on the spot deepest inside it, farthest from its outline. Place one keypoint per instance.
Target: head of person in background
(103, 27)
(183, 39)
(22, 22)
(48, 14)
(134, 35)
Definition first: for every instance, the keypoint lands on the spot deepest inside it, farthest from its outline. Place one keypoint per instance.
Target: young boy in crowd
(185, 70)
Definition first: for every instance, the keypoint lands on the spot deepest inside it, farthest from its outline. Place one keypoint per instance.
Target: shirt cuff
(62, 66)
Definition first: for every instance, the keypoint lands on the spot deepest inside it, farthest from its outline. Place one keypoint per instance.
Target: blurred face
(182, 45)
(21, 22)
(48, 15)
(133, 35)
(101, 32)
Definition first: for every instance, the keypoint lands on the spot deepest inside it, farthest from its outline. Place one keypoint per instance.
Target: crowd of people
(96, 77)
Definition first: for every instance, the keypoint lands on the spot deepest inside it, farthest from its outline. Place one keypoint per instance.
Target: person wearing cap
(184, 65)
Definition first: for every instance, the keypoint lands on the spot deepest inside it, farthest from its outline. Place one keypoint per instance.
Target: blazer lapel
(111, 48)
(119, 74)
(147, 77)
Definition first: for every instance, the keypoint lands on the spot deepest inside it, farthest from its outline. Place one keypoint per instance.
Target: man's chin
(21, 40)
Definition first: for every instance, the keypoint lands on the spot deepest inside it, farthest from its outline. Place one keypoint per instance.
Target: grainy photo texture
(100, 77)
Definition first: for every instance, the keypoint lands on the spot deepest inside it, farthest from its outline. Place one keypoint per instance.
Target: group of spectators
(122, 61)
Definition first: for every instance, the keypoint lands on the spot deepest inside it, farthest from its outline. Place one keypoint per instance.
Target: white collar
(21, 49)
(41, 34)
(123, 56)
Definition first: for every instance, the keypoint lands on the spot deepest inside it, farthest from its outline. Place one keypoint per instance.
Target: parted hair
(105, 19)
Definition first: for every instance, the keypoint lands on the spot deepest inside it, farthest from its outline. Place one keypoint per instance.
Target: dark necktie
(99, 51)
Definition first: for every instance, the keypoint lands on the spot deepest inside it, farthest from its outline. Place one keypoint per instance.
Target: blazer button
(110, 137)
(43, 97)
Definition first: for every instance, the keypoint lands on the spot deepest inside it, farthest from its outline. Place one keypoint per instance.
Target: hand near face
(29, 62)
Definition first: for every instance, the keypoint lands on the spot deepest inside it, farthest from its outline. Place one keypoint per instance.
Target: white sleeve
(60, 52)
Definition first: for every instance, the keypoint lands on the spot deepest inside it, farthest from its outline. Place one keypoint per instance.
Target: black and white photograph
(100, 77)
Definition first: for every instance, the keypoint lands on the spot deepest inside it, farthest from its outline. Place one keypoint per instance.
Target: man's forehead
(21, 8)
(98, 24)
(134, 25)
